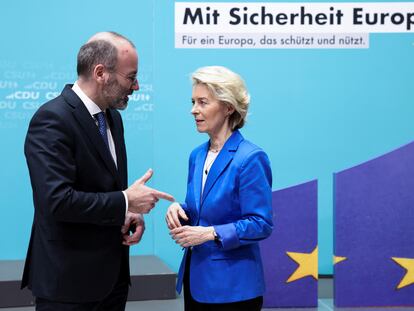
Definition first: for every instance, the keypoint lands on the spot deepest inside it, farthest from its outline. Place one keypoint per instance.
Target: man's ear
(99, 73)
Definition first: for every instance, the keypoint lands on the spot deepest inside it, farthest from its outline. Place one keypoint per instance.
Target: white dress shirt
(94, 109)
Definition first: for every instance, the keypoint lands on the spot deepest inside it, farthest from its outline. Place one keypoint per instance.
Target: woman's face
(211, 116)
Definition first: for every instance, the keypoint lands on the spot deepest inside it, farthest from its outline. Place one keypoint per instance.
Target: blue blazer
(237, 201)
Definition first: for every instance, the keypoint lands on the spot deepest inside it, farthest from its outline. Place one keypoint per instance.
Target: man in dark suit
(85, 214)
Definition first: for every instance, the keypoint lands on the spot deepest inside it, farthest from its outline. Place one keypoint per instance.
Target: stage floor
(325, 304)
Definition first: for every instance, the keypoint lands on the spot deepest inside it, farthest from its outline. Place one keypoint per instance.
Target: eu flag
(290, 254)
(374, 232)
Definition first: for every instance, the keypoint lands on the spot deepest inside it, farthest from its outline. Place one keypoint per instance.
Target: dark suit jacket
(75, 251)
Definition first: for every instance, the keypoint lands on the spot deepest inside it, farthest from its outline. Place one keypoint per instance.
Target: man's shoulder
(54, 108)
(59, 104)
(57, 108)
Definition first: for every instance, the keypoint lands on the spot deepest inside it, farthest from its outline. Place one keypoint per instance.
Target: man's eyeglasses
(132, 79)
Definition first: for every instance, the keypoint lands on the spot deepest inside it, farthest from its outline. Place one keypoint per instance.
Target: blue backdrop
(314, 111)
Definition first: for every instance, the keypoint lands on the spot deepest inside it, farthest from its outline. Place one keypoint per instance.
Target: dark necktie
(102, 126)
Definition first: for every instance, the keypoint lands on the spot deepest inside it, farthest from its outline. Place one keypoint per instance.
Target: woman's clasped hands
(186, 236)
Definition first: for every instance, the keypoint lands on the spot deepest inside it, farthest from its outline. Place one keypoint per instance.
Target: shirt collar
(90, 105)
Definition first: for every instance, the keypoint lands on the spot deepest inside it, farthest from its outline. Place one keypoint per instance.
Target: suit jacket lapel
(91, 130)
(115, 125)
(222, 161)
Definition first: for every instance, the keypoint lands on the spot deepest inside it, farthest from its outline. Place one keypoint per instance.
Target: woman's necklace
(212, 155)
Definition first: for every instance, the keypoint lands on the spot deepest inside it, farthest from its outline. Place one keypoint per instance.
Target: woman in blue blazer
(228, 207)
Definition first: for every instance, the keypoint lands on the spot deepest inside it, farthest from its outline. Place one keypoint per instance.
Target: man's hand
(135, 237)
(141, 199)
(174, 213)
(188, 236)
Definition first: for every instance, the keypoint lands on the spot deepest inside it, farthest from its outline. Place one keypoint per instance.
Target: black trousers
(190, 304)
(115, 301)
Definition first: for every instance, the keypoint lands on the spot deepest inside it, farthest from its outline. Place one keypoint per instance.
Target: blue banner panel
(290, 254)
(374, 232)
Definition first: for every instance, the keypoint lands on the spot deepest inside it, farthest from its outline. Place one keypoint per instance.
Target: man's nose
(135, 86)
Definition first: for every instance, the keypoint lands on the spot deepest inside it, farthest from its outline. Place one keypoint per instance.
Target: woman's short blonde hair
(228, 88)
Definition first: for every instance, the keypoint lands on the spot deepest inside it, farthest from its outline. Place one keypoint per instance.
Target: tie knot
(100, 116)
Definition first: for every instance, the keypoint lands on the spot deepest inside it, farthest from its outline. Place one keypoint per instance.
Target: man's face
(123, 81)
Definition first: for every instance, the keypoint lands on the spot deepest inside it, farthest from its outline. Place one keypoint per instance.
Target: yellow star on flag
(308, 265)
(338, 259)
(408, 265)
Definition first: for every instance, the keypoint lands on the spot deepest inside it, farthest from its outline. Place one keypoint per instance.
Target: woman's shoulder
(247, 148)
(250, 155)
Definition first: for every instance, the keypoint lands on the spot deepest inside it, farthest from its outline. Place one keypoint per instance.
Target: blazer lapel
(198, 173)
(222, 161)
(91, 130)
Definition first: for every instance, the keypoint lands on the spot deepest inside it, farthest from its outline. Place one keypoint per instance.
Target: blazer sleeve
(255, 199)
(49, 149)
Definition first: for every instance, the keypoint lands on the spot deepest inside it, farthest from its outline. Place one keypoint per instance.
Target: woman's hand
(174, 213)
(188, 236)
